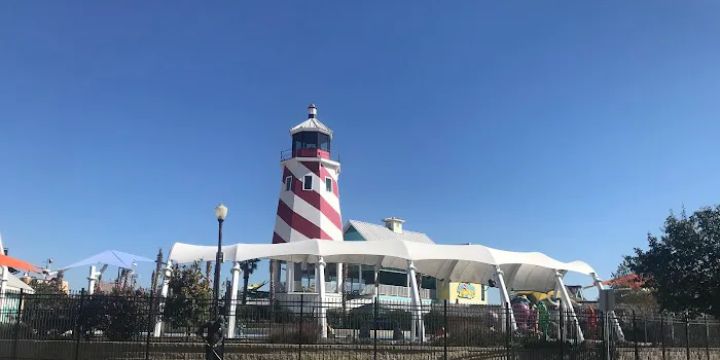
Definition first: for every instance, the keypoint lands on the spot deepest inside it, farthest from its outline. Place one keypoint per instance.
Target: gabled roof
(15, 284)
(375, 232)
(311, 124)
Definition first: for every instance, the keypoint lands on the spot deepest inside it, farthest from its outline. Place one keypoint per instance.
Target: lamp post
(220, 213)
(214, 347)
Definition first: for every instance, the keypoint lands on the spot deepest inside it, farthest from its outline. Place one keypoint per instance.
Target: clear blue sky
(570, 128)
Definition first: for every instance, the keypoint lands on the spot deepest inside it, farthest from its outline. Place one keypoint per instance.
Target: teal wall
(353, 235)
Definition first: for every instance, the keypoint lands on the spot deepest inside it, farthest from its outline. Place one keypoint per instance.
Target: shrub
(50, 315)
(257, 313)
(364, 317)
(7, 330)
(119, 315)
(305, 333)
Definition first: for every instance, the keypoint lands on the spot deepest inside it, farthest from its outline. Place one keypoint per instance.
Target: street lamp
(214, 347)
(220, 213)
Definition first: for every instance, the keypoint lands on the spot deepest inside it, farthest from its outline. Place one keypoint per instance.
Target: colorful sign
(466, 291)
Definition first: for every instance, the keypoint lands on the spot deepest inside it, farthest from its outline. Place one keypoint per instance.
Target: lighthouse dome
(312, 124)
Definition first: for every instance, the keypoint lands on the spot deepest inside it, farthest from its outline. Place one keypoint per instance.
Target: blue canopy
(110, 257)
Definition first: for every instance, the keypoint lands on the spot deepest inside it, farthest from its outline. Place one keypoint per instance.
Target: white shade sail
(462, 263)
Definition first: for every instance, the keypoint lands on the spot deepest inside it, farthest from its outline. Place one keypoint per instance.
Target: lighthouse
(309, 200)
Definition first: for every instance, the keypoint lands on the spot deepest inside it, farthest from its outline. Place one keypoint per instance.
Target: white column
(416, 302)
(506, 299)
(568, 304)
(161, 300)
(340, 278)
(376, 293)
(3, 282)
(320, 278)
(611, 314)
(410, 294)
(4, 277)
(234, 287)
(3, 286)
(289, 277)
(92, 278)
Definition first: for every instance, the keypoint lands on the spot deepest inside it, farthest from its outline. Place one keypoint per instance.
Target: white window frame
(305, 187)
(288, 183)
(326, 184)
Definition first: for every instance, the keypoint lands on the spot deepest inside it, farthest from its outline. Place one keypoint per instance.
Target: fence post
(662, 335)
(78, 324)
(601, 319)
(687, 337)
(576, 332)
(300, 326)
(445, 329)
(707, 338)
(17, 323)
(635, 336)
(151, 323)
(375, 327)
(562, 331)
(508, 331)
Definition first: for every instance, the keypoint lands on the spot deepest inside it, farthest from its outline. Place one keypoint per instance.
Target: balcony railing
(288, 154)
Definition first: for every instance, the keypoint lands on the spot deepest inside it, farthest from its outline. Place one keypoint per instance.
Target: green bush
(258, 313)
(50, 315)
(305, 333)
(120, 315)
(364, 317)
(7, 330)
(463, 329)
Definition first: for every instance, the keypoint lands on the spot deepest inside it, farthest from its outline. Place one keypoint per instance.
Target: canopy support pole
(419, 327)
(161, 301)
(339, 272)
(611, 313)
(321, 294)
(3, 280)
(568, 304)
(234, 287)
(507, 309)
(5, 277)
(92, 279)
(376, 293)
(290, 277)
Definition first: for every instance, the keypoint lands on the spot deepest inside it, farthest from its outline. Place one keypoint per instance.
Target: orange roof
(17, 263)
(632, 281)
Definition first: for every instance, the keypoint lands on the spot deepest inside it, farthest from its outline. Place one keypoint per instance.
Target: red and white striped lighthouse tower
(309, 204)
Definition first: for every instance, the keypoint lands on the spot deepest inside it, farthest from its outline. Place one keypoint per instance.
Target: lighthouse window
(328, 184)
(288, 183)
(311, 140)
(324, 141)
(307, 182)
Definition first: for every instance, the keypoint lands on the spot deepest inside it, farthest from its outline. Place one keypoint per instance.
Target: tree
(629, 290)
(247, 267)
(682, 267)
(190, 297)
(120, 314)
(50, 311)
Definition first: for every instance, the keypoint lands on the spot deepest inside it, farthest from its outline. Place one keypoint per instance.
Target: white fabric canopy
(462, 263)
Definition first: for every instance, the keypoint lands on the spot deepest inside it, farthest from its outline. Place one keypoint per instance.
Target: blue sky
(570, 128)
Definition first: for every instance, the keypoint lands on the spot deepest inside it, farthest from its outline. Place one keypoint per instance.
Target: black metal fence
(82, 326)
